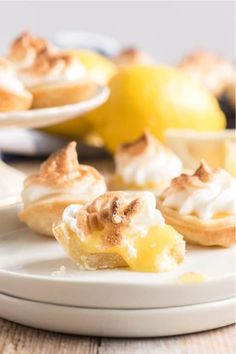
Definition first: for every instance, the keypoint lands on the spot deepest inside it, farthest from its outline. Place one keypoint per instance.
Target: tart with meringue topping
(213, 71)
(57, 79)
(61, 181)
(144, 164)
(13, 95)
(202, 206)
(120, 229)
(132, 56)
(25, 49)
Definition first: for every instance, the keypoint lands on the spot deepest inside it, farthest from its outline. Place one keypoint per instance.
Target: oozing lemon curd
(220, 215)
(192, 277)
(152, 252)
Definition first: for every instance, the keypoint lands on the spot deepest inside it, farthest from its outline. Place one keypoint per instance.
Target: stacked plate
(41, 287)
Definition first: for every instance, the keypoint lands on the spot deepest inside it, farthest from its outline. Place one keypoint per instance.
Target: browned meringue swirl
(132, 56)
(62, 169)
(25, 42)
(112, 213)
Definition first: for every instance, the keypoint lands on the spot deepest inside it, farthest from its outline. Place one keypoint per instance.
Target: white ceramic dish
(30, 268)
(38, 118)
(118, 323)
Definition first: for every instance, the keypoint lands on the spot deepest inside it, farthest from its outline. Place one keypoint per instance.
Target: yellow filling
(141, 253)
(192, 277)
(119, 183)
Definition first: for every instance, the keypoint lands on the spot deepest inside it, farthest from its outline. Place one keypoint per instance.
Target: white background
(167, 29)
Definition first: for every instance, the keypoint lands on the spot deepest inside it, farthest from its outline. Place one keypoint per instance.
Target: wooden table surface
(17, 339)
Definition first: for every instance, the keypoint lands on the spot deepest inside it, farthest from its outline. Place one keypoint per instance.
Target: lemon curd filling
(153, 252)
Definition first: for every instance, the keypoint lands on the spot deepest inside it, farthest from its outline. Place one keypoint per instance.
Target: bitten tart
(60, 182)
(13, 95)
(120, 229)
(57, 79)
(144, 164)
(202, 206)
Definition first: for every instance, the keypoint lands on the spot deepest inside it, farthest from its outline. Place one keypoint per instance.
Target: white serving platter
(118, 322)
(38, 118)
(35, 267)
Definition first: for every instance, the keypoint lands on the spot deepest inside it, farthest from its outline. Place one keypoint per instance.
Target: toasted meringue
(56, 79)
(120, 229)
(145, 164)
(202, 206)
(214, 72)
(61, 181)
(13, 96)
(132, 56)
(25, 49)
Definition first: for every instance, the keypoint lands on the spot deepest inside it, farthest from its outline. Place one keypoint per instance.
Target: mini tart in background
(202, 206)
(25, 49)
(57, 79)
(132, 56)
(218, 75)
(120, 229)
(13, 95)
(144, 164)
(61, 181)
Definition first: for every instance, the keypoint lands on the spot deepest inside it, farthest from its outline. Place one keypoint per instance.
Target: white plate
(38, 118)
(28, 263)
(118, 323)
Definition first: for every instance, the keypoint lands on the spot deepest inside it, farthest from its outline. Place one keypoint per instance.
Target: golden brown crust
(41, 215)
(62, 169)
(56, 95)
(12, 101)
(214, 232)
(90, 261)
(112, 213)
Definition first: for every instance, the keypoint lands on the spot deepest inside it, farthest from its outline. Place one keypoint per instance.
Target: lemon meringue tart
(213, 71)
(120, 229)
(61, 181)
(202, 206)
(132, 56)
(144, 164)
(57, 79)
(13, 95)
(25, 49)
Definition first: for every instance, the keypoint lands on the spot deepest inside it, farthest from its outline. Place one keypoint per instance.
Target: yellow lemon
(156, 98)
(100, 69)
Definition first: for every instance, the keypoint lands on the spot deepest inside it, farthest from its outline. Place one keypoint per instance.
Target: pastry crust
(42, 214)
(89, 261)
(62, 94)
(214, 232)
(12, 101)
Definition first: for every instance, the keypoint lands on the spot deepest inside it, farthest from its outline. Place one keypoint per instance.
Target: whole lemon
(157, 98)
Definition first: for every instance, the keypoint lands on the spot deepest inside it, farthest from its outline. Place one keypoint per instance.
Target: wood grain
(17, 339)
